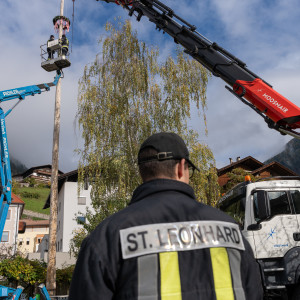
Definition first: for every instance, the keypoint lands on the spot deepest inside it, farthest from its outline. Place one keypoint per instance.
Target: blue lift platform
(56, 63)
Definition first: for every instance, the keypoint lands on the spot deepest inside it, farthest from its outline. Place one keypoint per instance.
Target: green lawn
(34, 198)
(31, 217)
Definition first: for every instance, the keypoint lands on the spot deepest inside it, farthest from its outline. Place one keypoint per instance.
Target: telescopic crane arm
(279, 113)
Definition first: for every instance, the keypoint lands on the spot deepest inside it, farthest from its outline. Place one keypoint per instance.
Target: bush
(26, 194)
(42, 185)
(22, 271)
(31, 181)
(15, 186)
(17, 270)
(63, 279)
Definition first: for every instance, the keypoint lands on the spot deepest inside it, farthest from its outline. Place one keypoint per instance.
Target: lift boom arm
(31, 90)
(280, 113)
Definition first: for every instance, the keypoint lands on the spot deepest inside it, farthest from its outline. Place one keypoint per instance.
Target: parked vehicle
(268, 212)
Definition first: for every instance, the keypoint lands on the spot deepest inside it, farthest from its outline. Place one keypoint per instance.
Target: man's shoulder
(111, 223)
(212, 213)
(142, 213)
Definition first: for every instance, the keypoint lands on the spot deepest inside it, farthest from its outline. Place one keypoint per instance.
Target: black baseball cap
(168, 145)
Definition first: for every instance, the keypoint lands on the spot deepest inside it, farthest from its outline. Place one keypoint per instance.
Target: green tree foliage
(125, 95)
(78, 236)
(17, 270)
(15, 186)
(63, 279)
(31, 181)
(236, 176)
(22, 271)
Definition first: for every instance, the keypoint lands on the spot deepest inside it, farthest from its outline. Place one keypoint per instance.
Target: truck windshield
(235, 207)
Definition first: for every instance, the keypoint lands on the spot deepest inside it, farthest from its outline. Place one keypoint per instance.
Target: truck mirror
(254, 227)
(263, 206)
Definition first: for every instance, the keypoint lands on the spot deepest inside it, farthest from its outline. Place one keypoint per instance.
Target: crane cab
(52, 56)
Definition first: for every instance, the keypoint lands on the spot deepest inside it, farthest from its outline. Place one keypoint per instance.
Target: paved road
(35, 214)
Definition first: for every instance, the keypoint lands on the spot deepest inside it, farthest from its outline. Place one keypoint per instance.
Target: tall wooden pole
(51, 269)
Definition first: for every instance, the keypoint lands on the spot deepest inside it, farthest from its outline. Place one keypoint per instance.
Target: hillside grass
(34, 198)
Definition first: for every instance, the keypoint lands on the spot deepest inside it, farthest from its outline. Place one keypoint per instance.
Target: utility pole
(51, 269)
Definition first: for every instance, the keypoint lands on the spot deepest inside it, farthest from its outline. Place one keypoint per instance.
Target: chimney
(230, 160)
(238, 158)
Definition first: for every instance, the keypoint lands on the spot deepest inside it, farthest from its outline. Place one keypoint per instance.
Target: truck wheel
(295, 293)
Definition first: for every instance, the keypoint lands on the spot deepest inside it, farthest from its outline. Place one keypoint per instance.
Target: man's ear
(180, 168)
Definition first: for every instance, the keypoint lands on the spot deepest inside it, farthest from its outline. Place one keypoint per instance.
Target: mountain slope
(290, 156)
(16, 166)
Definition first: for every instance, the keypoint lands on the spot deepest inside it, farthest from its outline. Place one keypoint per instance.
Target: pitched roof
(275, 167)
(29, 171)
(36, 223)
(16, 199)
(248, 162)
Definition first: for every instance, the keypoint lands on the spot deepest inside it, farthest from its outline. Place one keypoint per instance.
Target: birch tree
(126, 94)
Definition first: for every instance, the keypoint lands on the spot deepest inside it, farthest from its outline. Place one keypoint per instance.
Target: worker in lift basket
(65, 44)
(50, 52)
(166, 244)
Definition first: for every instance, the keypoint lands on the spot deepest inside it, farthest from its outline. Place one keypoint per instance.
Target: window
(255, 207)
(296, 200)
(5, 236)
(81, 200)
(27, 241)
(237, 211)
(8, 215)
(234, 204)
(86, 183)
(20, 242)
(279, 203)
(80, 220)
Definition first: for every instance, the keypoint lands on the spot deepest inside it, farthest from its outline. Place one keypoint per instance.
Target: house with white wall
(30, 239)
(11, 227)
(69, 207)
(63, 259)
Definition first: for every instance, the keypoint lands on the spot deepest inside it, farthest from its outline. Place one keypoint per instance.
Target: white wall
(68, 208)
(63, 259)
(12, 225)
(30, 235)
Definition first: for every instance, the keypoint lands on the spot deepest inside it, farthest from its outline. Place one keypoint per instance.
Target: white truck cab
(268, 212)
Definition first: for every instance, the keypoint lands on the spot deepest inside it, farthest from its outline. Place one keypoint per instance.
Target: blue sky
(263, 33)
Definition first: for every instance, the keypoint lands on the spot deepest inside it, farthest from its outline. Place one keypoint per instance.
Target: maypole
(51, 269)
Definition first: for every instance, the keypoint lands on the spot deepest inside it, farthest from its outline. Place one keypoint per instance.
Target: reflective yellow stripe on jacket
(221, 273)
(170, 286)
(225, 264)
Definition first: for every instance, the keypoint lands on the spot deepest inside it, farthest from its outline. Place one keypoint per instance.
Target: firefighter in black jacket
(166, 245)
(64, 44)
(50, 52)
